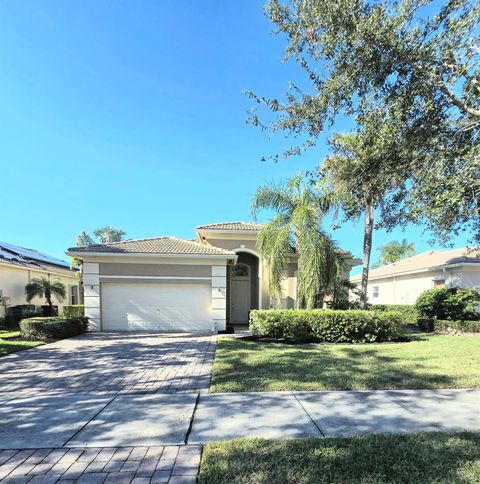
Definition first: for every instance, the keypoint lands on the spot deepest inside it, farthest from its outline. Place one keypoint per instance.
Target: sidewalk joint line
(309, 416)
(187, 435)
(83, 426)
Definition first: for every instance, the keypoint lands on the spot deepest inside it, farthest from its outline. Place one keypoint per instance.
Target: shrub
(74, 311)
(451, 303)
(408, 312)
(466, 326)
(15, 314)
(427, 324)
(52, 328)
(329, 326)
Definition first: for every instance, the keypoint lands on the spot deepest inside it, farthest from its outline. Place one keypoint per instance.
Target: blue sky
(132, 114)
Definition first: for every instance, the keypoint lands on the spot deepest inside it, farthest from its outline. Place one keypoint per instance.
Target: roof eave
(416, 271)
(80, 254)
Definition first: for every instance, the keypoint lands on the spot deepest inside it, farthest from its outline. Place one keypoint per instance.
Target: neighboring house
(171, 284)
(403, 281)
(18, 266)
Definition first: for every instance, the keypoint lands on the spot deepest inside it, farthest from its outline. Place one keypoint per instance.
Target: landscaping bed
(427, 361)
(424, 457)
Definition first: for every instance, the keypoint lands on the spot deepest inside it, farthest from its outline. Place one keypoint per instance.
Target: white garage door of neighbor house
(156, 307)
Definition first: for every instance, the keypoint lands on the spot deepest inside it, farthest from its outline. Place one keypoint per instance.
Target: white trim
(206, 278)
(148, 254)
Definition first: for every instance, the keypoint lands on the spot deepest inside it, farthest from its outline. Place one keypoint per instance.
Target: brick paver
(112, 363)
(137, 465)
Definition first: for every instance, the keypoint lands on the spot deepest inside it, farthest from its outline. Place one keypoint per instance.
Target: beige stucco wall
(405, 289)
(247, 242)
(289, 285)
(179, 270)
(13, 280)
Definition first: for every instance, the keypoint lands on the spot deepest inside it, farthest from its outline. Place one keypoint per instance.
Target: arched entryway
(243, 287)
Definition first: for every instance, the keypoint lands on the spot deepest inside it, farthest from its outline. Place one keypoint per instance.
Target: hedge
(52, 328)
(74, 311)
(325, 325)
(408, 311)
(466, 326)
(15, 314)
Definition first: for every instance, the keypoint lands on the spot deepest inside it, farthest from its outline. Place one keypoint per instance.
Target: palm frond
(271, 197)
(274, 244)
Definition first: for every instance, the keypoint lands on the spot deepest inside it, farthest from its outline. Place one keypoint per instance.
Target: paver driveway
(112, 363)
(103, 386)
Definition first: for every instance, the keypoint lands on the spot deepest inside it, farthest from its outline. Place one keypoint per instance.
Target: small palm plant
(44, 287)
(296, 227)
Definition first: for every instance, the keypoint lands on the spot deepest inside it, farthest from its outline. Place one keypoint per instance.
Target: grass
(417, 458)
(428, 361)
(7, 334)
(10, 345)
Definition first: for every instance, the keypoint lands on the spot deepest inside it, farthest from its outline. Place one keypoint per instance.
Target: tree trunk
(48, 297)
(367, 250)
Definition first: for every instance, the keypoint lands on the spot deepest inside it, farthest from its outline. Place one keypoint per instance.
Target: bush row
(52, 328)
(329, 326)
(468, 326)
(74, 311)
(408, 311)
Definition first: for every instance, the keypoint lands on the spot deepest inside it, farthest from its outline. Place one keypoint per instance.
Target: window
(439, 284)
(73, 294)
(240, 270)
(375, 292)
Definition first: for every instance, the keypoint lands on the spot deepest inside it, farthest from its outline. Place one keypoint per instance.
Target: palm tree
(296, 226)
(395, 250)
(43, 287)
(109, 234)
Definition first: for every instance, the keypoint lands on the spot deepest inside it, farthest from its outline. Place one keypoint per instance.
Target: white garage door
(156, 307)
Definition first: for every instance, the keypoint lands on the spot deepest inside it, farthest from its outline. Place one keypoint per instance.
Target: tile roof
(426, 260)
(231, 226)
(158, 245)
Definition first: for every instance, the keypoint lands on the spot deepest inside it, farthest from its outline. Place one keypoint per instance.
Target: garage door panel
(159, 307)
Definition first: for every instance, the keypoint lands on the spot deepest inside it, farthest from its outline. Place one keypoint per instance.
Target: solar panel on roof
(33, 254)
(5, 254)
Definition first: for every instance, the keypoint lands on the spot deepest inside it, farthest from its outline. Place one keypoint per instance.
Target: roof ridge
(129, 240)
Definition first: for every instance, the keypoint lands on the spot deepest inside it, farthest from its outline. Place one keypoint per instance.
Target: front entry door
(240, 293)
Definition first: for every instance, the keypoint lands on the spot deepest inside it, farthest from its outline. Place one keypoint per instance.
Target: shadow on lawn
(267, 366)
(430, 457)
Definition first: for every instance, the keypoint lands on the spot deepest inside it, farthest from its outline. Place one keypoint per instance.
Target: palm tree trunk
(367, 250)
(48, 297)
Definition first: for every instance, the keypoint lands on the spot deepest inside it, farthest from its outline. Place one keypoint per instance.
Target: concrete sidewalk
(137, 438)
(330, 414)
(92, 420)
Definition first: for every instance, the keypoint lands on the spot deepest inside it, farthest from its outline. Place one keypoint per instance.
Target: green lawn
(428, 361)
(9, 345)
(7, 334)
(419, 458)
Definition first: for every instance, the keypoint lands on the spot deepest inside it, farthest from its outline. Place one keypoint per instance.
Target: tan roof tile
(231, 226)
(158, 245)
(426, 260)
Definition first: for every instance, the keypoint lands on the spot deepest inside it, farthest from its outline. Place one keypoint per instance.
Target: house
(403, 281)
(18, 266)
(171, 284)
